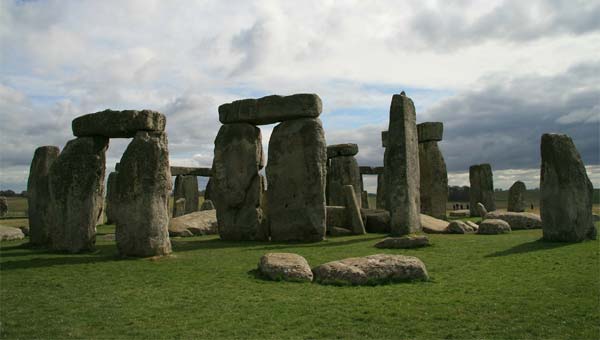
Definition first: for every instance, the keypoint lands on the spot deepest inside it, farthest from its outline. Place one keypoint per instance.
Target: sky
(498, 74)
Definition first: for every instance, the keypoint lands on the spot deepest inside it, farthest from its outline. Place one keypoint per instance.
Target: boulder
(433, 180)
(342, 171)
(236, 185)
(190, 171)
(3, 206)
(118, 124)
(492, 227)
(179, 207)
(285, 266)
(10, 233)
(404, 242)
(460, 213)
(197, 223)
(296, 174)
(459, 227)
(432, 225)
(517, 220)
(371, 270)
(76, 186)
(481, 210)
(207, 205)
(336, 217)
(482, 188)
(38, 194)
(353, 211)
(430, 132)
(516, 197)
(565, 192)
(339, 150)
(402, 174)
(271, 109)
(595, 218)
(376, 220)
(186, 187)
(337, 231)
(143, 190)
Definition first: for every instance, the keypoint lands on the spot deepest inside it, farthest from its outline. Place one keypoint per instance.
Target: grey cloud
(251, 44)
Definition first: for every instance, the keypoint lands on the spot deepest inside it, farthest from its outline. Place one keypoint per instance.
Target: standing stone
(482, 188)
(434, 180)
(516, 197)
(38, 194)
(207, 205)
(236, 185)
(353, 211)
(402, 167)
(208, 189)
(565, 192)
(364, 199)
(187, 187)
(179, 207)
(143, 188)
(3, 206)
(109, 205)
(76, 186)
(342, 171)
(296, 174)
(381, 197)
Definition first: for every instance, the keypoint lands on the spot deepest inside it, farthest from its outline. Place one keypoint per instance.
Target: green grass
(502, 286)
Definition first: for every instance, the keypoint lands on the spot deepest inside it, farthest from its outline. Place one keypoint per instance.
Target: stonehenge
(482, 188)
(342, 170)
(186, 187)
(516, 197)
(38, 194)
(433, 174)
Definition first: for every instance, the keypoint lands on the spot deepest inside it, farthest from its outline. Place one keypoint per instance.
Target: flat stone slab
(10, 233)
(384, 139)
(118, 124)
(271, 109)
(285, 267)
(338, 150)
(371, 270)
(190, 171)
(460, 213)
(197, 223)
(404, 242)
(517, 220)
(493, 227)
(432, 225)
(430, 132)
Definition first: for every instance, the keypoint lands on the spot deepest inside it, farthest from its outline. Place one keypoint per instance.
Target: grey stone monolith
(143, 190)
(178, 207)
(342, 170)
(76, 186)
(434, 180)
(402, 175)
(482, 188)
(516, 197)
(186, 186)
(109, 201)
(296, 175)
(381, 202)
(565, 192)
(353, 211)
(38, 194)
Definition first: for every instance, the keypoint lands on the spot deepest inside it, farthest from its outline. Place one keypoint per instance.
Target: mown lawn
(505, 286)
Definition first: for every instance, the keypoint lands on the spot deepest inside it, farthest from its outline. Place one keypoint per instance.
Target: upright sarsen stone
(434, 180)
(296, 175)
(76, 185)
(401, 161)
(236, 186)
(342, 170)
(381, 202)
(143, 188)
(565, 192)
(110, 201)
(38, 194)
(516, 197)
(482, 188)
(186, 186)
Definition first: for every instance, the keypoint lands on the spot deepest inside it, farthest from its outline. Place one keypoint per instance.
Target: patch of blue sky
(350, 118)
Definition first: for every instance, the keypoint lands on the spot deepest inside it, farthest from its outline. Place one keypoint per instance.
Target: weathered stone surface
(197, 223)
(364, 199)
(492, 227)
(473, 225)
(516, 197)
(460, 213)
(565, 192)
(24, 229)
(296, 175)
(285, 266)
(38, 194)
(10, 233)
(271, 109)
(381, 201)
(3, 206)
(190, 171)
(430, 132)
(353, 211)
(402, 174)
(337, 231)
(118, 124)
(236, 184)
(404, 242)
(376, 220)
(339, 150)
(207, 205)
(143, 188)
(517, 220)
(342, 171)
(336, 217)
(179, 207)
(481, 210)
(76, 186)
(371, 270)
(459, 227)
(186, 187)
(482, 188)
(384, 139)
(110, 200)
(434, 180)
(432, 225)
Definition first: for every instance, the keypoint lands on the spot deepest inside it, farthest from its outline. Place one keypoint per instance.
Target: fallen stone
(492, 227)
(459, 227)
(384, 139)
(460, 213)
(285, 267)
(376, 220)
(110, 200)
(118, 124)
(371, 270)
(517, 220)
(481, 210)
(336, 217)
(337, 231)
(338, 150)
(197, 223)
(430, 132)
(190, 171)
(207, 205)
(516, 197)
(353, 211)
(271, 109)
(10, 233)
(432, 225)
(404, 242)
(482, 188)
(38, 194)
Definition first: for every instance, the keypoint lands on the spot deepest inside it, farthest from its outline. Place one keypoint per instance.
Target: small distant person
(461, 207)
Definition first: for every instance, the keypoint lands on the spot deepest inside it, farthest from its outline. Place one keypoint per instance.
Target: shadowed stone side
(296, 174)
(381, 201)
(402, 177)
(187, 187)
(271, 109)
(482, 188)
(76, 185)
(565, 192)
(143, 188)
(516, 197)
(430, 132)
(353, 210)
(109, 205)
(236, 186)
(342, 171)
(434, 180)
(118, 124)
(38, 194)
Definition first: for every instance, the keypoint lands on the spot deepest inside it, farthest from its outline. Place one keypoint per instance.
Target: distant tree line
(10, 193)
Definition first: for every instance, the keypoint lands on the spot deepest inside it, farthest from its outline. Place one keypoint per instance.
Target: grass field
(503, 286)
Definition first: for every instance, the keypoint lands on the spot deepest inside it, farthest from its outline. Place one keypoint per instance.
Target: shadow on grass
(536, 245)
(322, 244)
